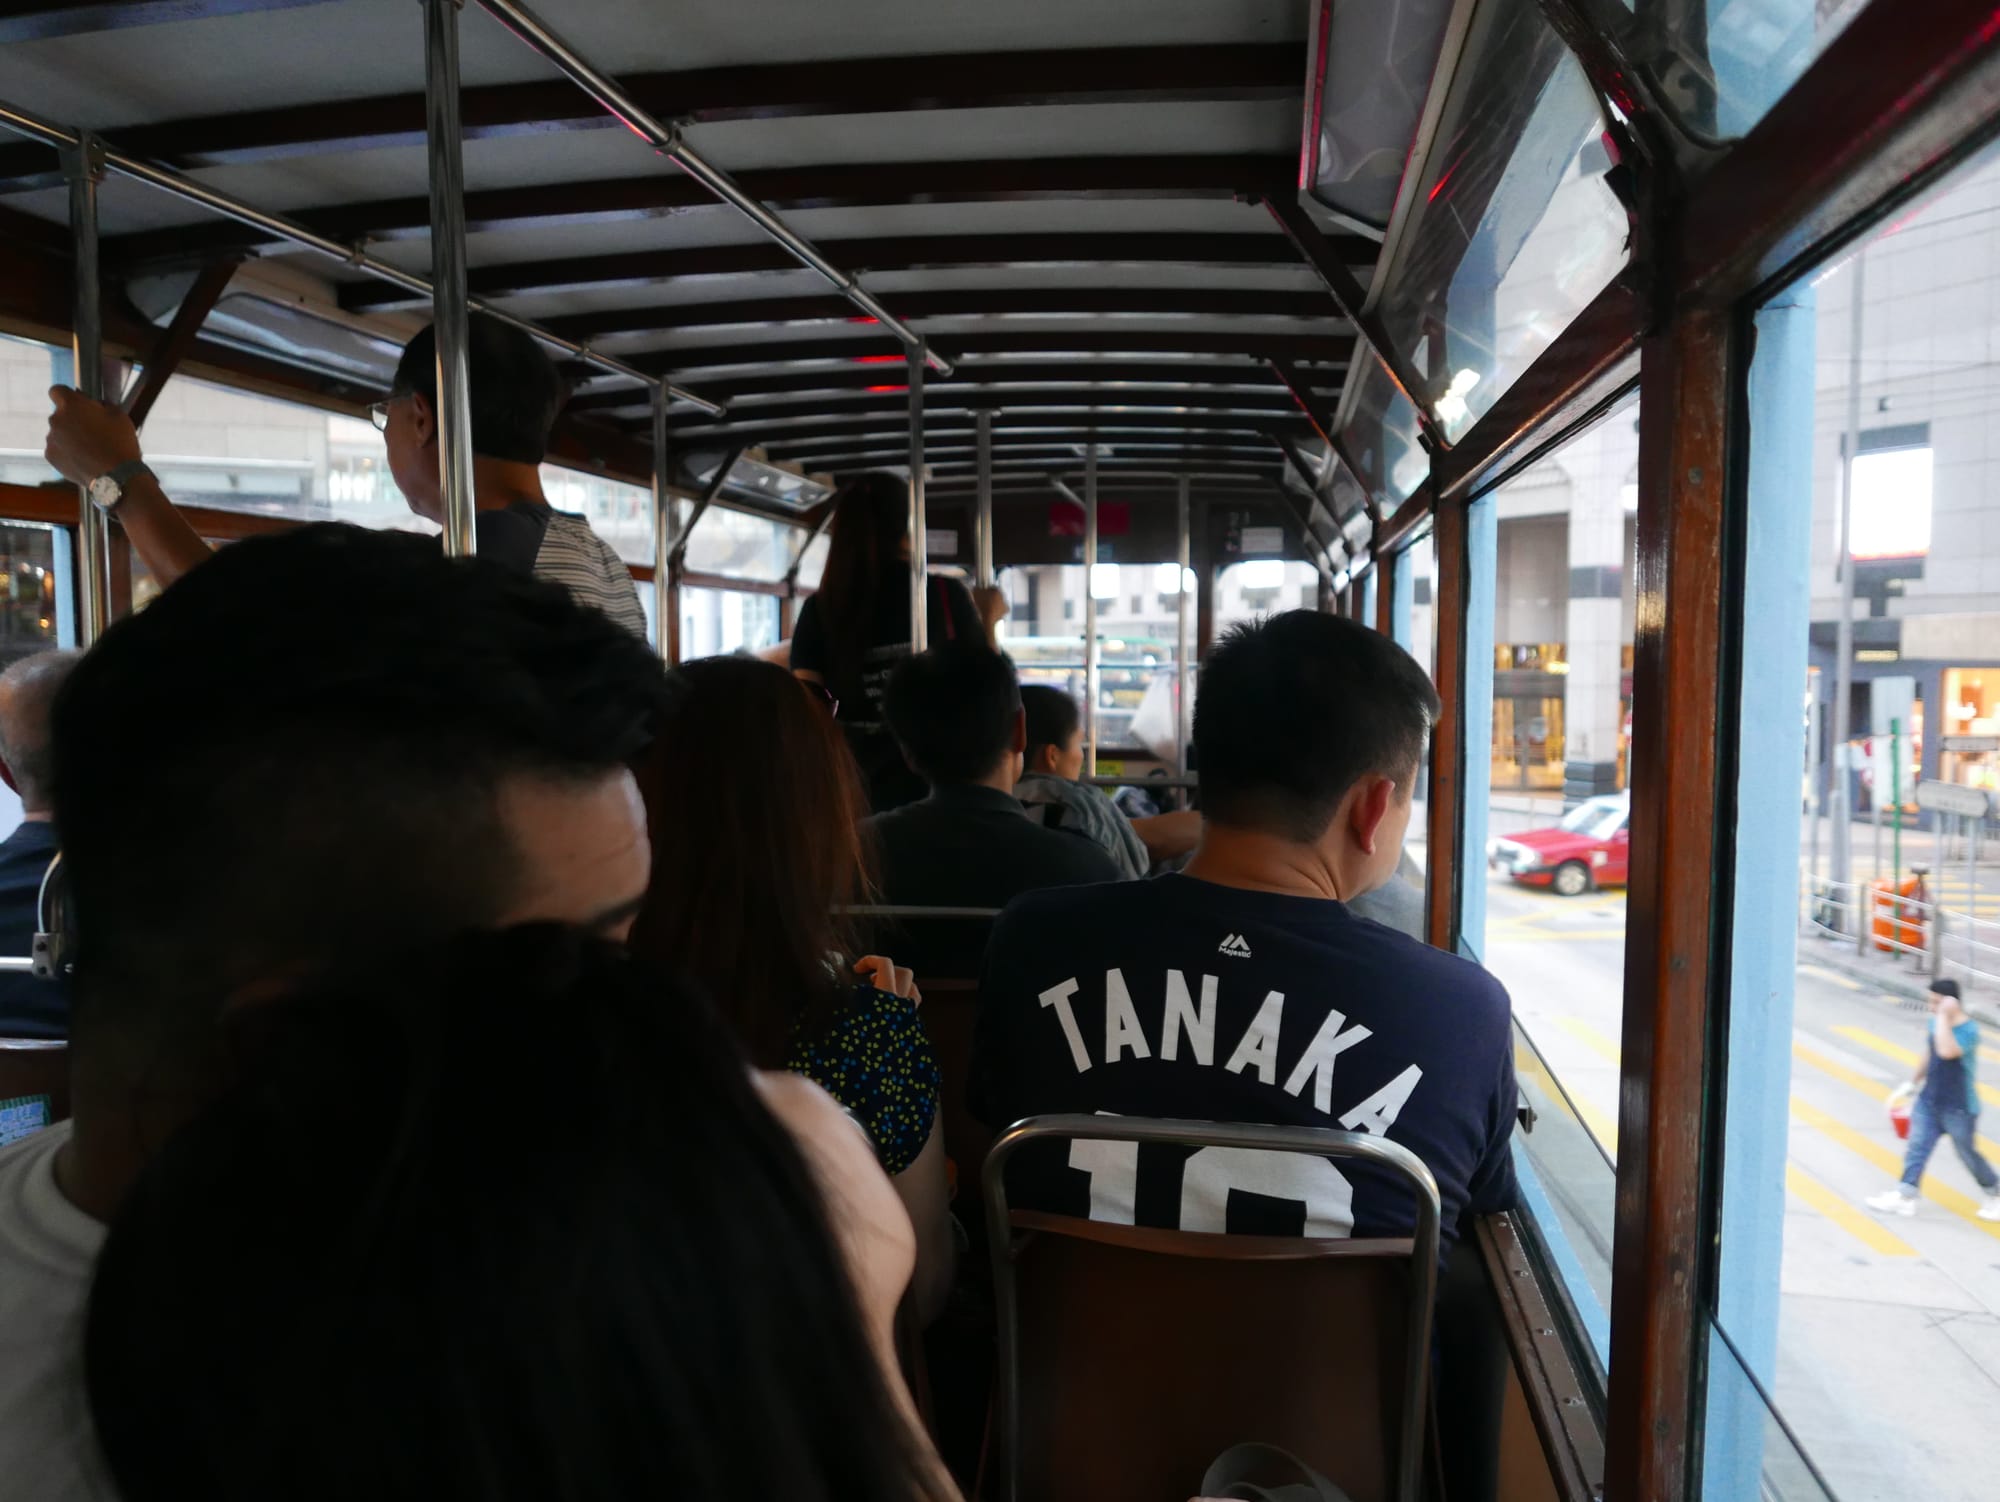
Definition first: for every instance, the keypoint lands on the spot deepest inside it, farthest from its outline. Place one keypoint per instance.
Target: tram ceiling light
(668, 141)
(166, 180)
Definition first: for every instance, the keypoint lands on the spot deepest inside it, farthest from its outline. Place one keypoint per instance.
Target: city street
(1889, 1324)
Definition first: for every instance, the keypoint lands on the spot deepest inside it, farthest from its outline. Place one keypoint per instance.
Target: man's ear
(423, 418)
(1019, 743)
(1373, 798)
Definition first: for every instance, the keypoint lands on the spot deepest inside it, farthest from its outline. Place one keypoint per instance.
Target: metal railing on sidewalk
(1941, 941)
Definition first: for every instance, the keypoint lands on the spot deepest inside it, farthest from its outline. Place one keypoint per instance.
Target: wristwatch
(108, 489)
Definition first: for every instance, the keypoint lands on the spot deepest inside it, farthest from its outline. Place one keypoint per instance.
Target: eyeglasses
(823, 695)
(378, 413)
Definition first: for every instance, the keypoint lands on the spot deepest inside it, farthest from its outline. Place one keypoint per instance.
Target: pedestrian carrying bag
(1264, 1473)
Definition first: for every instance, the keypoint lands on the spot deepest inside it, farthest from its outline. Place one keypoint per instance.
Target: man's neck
(36, 815)
(1254, 861)
(500, 483)
(1000, 779)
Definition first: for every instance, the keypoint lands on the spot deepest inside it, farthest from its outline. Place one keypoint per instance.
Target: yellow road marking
(1596, 1122)
(1902, 1055)
(1873, 1089)
(1833, 975)
(1858, 1224)
(1961, 1205)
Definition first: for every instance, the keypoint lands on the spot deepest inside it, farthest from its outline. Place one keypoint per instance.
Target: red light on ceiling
(863, 318)
(873, 389)
(878, 359)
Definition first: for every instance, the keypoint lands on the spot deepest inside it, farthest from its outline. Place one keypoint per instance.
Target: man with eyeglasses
(515, 395)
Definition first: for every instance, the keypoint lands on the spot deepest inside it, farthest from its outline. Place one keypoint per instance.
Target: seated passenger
(956, 712)
(752, 783)
(516, 392)
(322, 744)
(513, 1223)
(1244, 989)
(29, 1008)
(1053, 761)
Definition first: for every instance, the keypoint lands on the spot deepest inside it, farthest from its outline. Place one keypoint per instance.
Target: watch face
(105, 491)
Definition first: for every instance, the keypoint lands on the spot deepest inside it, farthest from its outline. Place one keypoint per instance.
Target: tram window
(1549, 629)
(1382, 435)
(1137, 632)
(1728, 61)
(812, 563)
(1519, 233)
(26, 371)
(1263, 586)
(714, 621)
(232, 451)
(1872, 387)
(739, 545)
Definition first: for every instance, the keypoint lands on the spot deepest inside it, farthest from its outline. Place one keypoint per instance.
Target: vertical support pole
(1090, 610)
(1183, 646)
(448, 307)
(983, 522)
(1839, 805)
(1448, 536)
(666, 598)
(87, 359)
(919, 543)
(1384, 574)
(1663, 1234)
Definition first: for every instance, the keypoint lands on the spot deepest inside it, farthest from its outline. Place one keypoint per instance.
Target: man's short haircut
(297, 752)
(27, 693)
(1053, 717)
(516, 390)
(1945, 986)
(1297, 708)
(952, 710)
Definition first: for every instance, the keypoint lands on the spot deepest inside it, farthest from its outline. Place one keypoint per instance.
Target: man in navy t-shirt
(1245, 989)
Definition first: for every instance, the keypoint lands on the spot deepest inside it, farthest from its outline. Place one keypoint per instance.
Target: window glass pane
(233, 451)
(1517, 230)
(1548, 633)
(813, 564)
(1263, 586)
(1137, 628)
(742, 546)
(1729, 61)
(714, 621)
(1381, 433)
(26, 373)
(621, 514)
(1872, 394)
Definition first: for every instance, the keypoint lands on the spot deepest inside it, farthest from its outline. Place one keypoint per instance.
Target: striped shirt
(554, 545)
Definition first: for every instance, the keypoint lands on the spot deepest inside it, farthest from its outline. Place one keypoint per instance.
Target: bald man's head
(27, 690)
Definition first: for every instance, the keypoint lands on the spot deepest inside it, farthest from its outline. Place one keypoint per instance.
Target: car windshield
(1600, 818)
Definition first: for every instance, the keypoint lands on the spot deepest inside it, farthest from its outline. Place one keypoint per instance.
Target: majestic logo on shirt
(1233, 944)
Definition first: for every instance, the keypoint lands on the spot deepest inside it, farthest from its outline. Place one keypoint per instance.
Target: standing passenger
(758, 802)
(1245, 989)
(29, 1008)
(515, 393)
(1947, 1082)
(856, 627)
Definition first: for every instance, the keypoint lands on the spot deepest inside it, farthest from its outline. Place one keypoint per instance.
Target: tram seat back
(950, 1013)
(1130, 1357)
(34, 1085)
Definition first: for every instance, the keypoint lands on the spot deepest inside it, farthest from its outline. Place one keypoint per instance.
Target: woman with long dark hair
(856, 627)
(513, 1223)
(754, 805)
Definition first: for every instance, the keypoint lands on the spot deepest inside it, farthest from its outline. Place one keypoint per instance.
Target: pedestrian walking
(1947, 1105)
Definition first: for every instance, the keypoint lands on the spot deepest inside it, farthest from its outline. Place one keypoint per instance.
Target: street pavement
(1889, 1341)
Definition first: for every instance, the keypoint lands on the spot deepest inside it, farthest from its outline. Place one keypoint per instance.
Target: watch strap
(124, 474)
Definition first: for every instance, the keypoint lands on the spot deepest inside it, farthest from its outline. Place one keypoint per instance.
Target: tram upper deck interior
(1170, 291)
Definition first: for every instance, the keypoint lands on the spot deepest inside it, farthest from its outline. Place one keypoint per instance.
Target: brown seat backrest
(1131, 1357)
(34, 1077)
(949, 1013)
